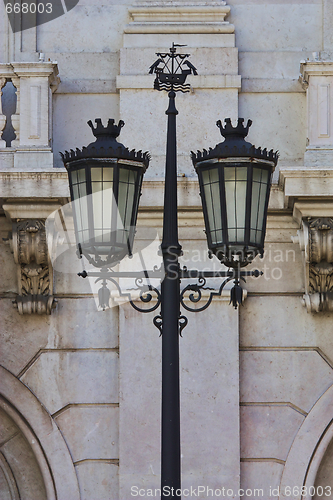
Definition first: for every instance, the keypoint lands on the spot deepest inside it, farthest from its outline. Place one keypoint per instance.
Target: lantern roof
(234, 145)
(106, 145)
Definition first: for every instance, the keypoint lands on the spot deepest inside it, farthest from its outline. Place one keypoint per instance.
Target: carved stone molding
(30, 244)
(316, 242)
(317, 79)
(35, 274)
(174, 16)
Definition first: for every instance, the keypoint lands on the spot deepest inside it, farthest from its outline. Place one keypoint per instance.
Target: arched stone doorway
(20, 474)
(324, 479)
(35, 463)
(311, 454)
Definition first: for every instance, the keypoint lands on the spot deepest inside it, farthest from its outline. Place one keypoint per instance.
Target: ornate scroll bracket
(316, 242)
(34, 269)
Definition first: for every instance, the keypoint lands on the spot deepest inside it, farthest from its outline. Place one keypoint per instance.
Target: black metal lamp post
(234, 179)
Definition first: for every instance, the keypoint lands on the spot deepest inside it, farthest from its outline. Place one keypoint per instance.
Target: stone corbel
(28, 243)
(316, 242)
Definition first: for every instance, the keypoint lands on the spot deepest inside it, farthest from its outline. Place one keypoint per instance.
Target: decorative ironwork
(146, 296)
(236, 294)
(158, 322)
(147, 292)
(182, 323)
(170, 72)
(235, 145)
(105, 146)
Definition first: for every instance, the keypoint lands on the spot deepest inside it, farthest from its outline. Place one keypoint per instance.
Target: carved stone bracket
(30, 245)
(316, 241)
(35, 274)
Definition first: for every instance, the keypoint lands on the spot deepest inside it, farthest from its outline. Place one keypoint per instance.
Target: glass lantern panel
(235, 193)
(80, 203)
(81, 175)
(259, 192)
(102, 202)
(211, 186)
(97, 174)
(126, 194)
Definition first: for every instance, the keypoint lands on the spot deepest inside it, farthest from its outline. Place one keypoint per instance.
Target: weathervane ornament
(170, 72)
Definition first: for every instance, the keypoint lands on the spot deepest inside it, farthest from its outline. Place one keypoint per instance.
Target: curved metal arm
(146, 296)
(195, 298)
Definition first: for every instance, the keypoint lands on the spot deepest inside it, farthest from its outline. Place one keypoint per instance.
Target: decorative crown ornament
(105, 146)
(235, 145)
(111, 129)
(234, 132)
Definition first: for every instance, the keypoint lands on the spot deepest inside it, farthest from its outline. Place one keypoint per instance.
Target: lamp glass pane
(102, 202)
(126, 193)
(259, 192)
(211, 186)
(80, 201)
(235, 193)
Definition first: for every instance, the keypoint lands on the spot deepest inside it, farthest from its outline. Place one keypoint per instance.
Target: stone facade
(80, 388)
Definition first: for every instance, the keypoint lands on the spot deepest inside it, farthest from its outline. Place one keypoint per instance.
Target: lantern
(105, 181)
(235, 179)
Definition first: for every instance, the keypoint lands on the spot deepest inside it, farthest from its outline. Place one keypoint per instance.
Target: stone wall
(80, 388)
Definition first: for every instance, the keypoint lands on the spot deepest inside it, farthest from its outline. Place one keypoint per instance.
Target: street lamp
(105, 181)
(234, 179)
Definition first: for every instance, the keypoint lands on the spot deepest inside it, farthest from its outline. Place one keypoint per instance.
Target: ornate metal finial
(170, 72)
(110, 130)
(105, 145)
(230, 131)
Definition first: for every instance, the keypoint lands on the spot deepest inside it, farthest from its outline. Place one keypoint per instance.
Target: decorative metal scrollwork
(197, 297)
(146, 296)
(182, 323)
(236, 293)
(148, 293)
(158, 322)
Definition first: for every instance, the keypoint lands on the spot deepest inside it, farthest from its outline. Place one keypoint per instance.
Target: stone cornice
(33, 69)
(179, 17)
(303, 182)
(316, 68)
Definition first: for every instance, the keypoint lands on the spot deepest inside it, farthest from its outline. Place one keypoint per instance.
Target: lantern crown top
(228, 131)
(234, 145)
(105, 146)
(111, 130)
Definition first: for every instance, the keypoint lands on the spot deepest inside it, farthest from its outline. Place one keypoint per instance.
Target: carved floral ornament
(316, 241)
(35, 274)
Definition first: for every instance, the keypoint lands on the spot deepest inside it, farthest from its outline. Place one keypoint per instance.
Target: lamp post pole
(230, 173)
(170, 312)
